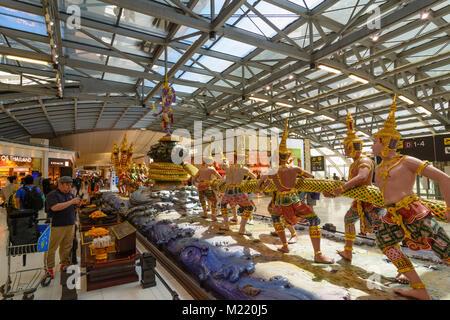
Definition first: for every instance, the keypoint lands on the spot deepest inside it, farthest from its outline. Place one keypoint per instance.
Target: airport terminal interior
(224, 150)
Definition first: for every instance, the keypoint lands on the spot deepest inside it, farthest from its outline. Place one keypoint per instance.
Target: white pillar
(45, 164)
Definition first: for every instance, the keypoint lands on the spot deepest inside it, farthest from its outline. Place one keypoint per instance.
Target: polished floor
(329, 211)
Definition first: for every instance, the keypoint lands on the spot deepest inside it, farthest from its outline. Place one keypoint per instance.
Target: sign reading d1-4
(442, 145)
(421, 148)
(318, 163)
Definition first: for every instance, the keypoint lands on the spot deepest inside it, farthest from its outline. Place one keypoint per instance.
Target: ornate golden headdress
(352, 141)
(388, 134)
(283, 151)
(130, 149)
(124, 146)
(115, 148)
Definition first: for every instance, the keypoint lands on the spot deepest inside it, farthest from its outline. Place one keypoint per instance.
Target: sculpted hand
(328, 195)
(337, 192)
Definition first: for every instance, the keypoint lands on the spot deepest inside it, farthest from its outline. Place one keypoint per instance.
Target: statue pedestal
(163, 170)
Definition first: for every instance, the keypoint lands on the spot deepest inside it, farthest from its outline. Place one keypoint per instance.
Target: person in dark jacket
(61, 204)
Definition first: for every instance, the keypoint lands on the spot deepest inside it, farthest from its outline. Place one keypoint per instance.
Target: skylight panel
(196, 77)
(19, 20)
(311, 3)
(233, 47)
(278, 16)
(256, 25)
(181, 88)
(214, 64)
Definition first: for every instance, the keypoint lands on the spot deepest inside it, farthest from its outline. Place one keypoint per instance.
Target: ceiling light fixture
(212, 35)
(329, 69)
(283, 104)
(359, 79)
(27, 60)
(305, 110)
(375, 37)
(327, 118)
(291, 76)
(407, 100)
(258, 99)
(363, 134)
(423, 110)
(424, 15)
(267, 88)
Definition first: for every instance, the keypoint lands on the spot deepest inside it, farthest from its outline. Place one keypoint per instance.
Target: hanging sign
(318, 163)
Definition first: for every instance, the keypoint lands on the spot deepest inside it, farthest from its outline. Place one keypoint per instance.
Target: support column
(307, 153)
(45, 164)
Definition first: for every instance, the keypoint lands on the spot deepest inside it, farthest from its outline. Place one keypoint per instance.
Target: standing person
(61, 205)
(288, 204)
(46, 186)
(37, 182)
(9, 189)
(335, 177)
(407, 218)
(29, 196)
(77, 184)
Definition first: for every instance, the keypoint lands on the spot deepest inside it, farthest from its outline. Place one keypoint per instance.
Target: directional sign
(318, 163)
(421, 148)
(442, 146)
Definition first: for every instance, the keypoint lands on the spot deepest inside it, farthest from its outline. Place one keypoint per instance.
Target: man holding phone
(61, 204)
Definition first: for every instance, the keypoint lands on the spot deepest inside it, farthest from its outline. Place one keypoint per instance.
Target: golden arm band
(421, 167)
(365, 165)
(419, 285)
(317, 252)
(348, 248)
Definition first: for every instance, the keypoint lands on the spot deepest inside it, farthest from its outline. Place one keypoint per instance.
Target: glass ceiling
(262, 50)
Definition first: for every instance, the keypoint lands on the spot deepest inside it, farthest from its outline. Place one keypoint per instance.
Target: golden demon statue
(122, 163)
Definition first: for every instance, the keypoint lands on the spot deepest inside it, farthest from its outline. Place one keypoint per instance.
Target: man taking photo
(60, 206)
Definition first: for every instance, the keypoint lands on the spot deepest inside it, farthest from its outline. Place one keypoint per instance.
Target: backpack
(11, 203)
(32, 200)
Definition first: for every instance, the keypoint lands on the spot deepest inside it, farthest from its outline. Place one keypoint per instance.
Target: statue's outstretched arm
(425, 169)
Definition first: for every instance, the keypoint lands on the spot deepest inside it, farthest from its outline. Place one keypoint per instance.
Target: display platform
(118, 268)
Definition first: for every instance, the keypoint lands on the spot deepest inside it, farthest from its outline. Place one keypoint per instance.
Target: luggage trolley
(27, 281)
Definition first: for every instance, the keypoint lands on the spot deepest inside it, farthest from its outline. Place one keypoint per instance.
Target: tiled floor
(329, 211)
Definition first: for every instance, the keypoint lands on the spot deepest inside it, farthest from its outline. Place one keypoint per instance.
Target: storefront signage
(5, 157)
(59, 163)
(318, 163)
